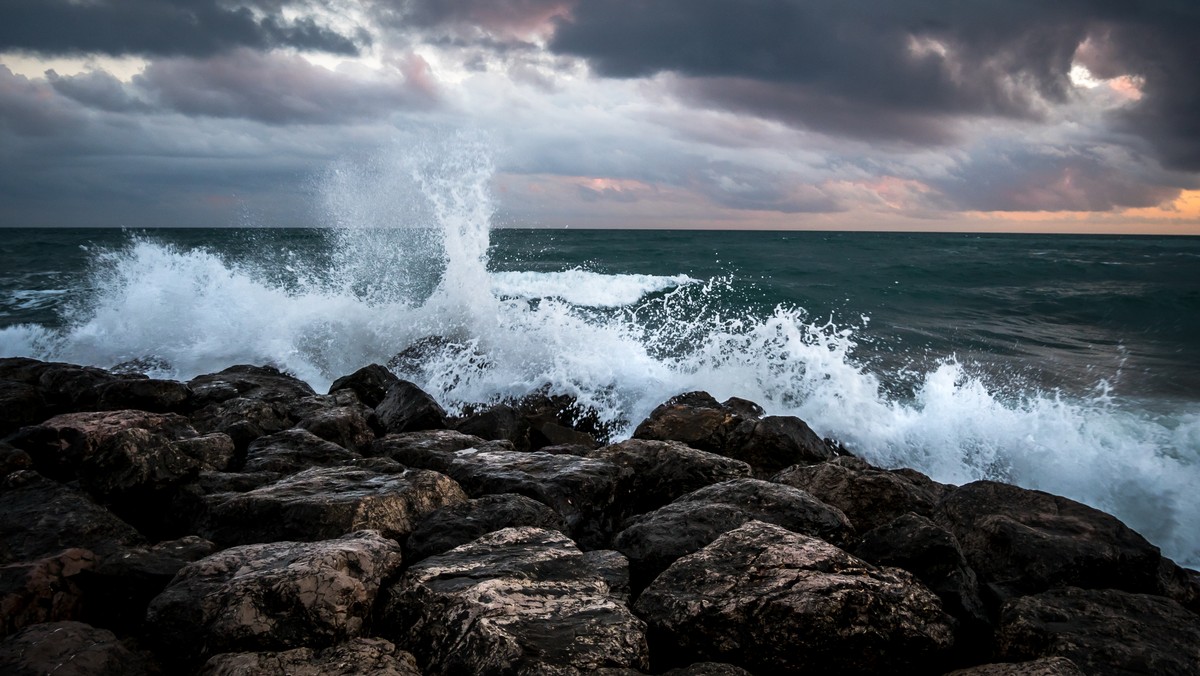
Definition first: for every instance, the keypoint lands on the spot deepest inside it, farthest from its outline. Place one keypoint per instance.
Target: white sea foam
(612, 341)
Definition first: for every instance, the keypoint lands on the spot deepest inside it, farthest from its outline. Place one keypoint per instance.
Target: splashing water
(407, 259)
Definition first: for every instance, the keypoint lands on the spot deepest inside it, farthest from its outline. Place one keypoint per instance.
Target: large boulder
(42, 591)
(70, 649)
(373, 656)
(868, 496)
(346, 426)
(457, 524)
(429, 449)
(519, 600)
(695, 419)
(1024, 541)
(293, 450)
(265, 383)
(144, 394)
(21, 404)
(371, 383)
(1103, 631)
(1049, 666)
(273, 596)
(135, 472)
(408, 408)
(243, 419)
(774, 601)
(654, 540)
(661, 471)
(323, 503)
(499, 422)
(40, 517)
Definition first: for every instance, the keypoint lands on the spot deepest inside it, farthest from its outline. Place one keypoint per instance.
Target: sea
(1069, 364)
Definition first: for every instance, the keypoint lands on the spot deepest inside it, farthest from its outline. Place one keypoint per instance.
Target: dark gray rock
(654, 540)
(265, 383)
(371, 383)
(695, 419)
(708, 669)
(346, 426)
(1103, 631)
(21, 404)
(519, 601)
(244, 419)
(355, 657)
(407, 408)
(323, 503)
(144, 394)
(1025, 541)
(13, 459)
(430, 449)
(212, 452)
(868, 496)
(777, 602)
(42, 591)
(661, 471)
(1049, 666)
(294, 450)
(135, 468)
(40, 517)
(273, 596)
(70, 649)
(457, 524)
(500, 422)
(560, 419)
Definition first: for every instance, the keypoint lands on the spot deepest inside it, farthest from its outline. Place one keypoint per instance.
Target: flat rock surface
(458, 524)
(661, 471)
(294, 450)
(69, 649)
(868, 496)
(273, 596)
(777, 602)
(1049, 666)
(519, 600)
(1103, 631)
(373, 656)
(326, 502)
(429, 449)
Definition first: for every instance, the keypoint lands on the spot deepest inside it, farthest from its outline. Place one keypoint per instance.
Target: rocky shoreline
(241, 523)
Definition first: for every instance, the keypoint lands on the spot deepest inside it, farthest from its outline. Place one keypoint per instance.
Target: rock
(213, 452)
(294, 450)
(430, 449)
(930, 552)
(613, 566)
(654, 540)
(323, 503)
(708, 669)
(133, 469)
(500, 422)
(21, 404)
(120, 586)
(69, 649)
(1103, 631)
(243, 419)
(457, 524)
(373, 656)
(68, 387)
(519, 600)
(60, 445)
(144, 394)
(1026, 541)
(772, 443)
(43, 590)
(582, 490)
(774, 601)
(371, 383)
(264, 383)
(661, 471)
(1050, 666)
(40, 517)
(209, 483)
(13, 459)
(868, 496)
(407, 408)
(273, 596)
(345, 426)
(561, 419)
(1180, 584)
(693, 418)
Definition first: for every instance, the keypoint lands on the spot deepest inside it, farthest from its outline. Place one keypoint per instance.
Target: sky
(940, 115)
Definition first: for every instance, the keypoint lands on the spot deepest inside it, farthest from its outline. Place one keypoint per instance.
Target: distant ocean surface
(1068, 364)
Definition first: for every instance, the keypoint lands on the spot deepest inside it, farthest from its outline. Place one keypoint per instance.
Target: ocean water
(1068, 364)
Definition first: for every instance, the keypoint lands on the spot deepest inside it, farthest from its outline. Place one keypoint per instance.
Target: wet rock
(1026, 541)
(120, 586)
(693, 418)
(774, 601)
(40, 517)
(429, 449)
(21, 404)
(1050, 666)
(496, 423)
(869, 497)
(1180, 584)
(613, 566)
(243, 419)
(144, 394)
(525, 600)
(323, 503)
(373, 656)
(932, 553)
(42, 591)
(13, 459)
(264, 383)
(346, 426)
(560, 419)
(273, 596)
(209, 483)
(70, 649)
(1103, 631)
(654, 540)
(582, 490)
(294, 450)
(68, 387)
(708, 669)
(213, 452)
(407, 408)
(457, 524)
(371, 383)
(772, 443)
(134, 467)
(661, 471)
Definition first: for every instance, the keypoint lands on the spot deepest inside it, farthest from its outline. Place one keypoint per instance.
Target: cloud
(158, 28)
(32, 108)
(98, 89)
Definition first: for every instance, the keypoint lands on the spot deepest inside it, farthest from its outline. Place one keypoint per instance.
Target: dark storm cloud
(906, 69)
(97, 89)
(497, 17)
(32, 108)
(156, 27)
